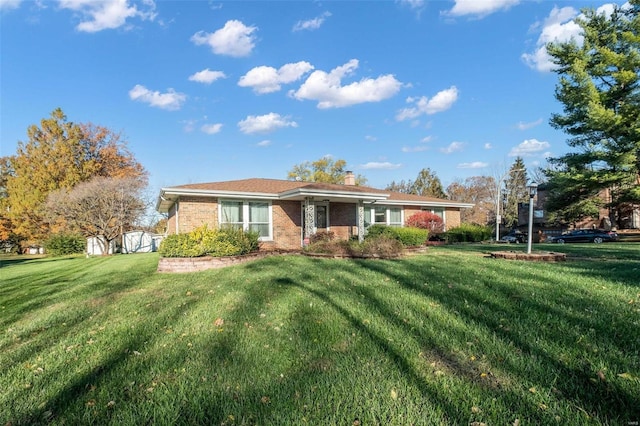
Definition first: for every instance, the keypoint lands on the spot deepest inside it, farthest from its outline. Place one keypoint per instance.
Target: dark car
(585, 236)
(514, 237)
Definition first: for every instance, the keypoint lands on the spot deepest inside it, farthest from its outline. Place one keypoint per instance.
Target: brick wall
(287, 225)
(343, 220)
(193, 212)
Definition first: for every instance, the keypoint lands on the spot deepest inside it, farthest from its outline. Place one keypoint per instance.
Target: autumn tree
(103, 207)
(426, 184)
(324, 170)
(60, 154)
(600, 93)
(479, 190)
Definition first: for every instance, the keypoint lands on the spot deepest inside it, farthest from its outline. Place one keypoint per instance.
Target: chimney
(349, 178)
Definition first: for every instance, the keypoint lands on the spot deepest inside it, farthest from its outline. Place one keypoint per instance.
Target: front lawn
(446, 337)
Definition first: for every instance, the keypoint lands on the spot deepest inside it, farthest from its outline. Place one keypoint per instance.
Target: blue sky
(208, 91)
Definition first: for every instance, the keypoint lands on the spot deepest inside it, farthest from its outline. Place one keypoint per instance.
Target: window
(247, 215)
(382, 215)
(439, 212)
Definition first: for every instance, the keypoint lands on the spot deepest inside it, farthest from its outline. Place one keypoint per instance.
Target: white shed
(94, 247)
(140, 242)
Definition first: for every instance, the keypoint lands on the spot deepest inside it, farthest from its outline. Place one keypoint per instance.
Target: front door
(322, 217)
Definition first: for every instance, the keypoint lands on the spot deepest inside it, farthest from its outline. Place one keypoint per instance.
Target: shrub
(427, 220)
(408, 237)
(468, 233)
(322, 236)
(411, 237)
(212, 242)
(380, 246)
(63, 244)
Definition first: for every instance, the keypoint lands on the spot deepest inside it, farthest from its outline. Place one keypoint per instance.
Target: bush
(468, 233)
(209, 242)
(380, 246)
(408, 237)
(322, 236)
(427, 220)
(63, 244)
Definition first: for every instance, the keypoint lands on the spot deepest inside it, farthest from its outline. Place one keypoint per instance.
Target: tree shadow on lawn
(605, 400)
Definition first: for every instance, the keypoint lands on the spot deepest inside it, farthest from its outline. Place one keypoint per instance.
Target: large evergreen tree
(515, 192)
(599, 89)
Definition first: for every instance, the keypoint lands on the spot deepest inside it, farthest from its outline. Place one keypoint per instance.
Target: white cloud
(9, 4)
(265, 79)
(371, 138)
(473, 165)
(558, 27)
(442, 101)
(525, 126)
(480, 8)
(311, 24)
(529, 148)
(418, 148)
(327, 88)
(380, 166)
(453, 147)
(413, 4)
(426, 139)
(488, 146)
(171, 100)
(108, 14)
(265, 123)
(264, 143)
(234, 39)
(211, 129)
(207, 76)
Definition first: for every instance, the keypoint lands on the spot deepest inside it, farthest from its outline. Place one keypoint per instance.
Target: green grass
(447, 337)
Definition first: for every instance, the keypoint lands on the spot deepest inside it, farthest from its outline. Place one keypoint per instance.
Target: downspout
(177, 203)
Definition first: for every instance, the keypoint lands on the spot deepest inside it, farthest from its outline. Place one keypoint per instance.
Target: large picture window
(247, 215)
(382, 215)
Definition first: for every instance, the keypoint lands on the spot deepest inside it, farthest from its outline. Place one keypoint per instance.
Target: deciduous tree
(60, 154)
(479, 190)
(102, 207)
(326, 170)
(600, 93)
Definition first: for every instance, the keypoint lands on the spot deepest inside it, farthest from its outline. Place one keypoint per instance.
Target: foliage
(203, 241)
(515, 192)
(324, 170)
(426, 220)
(468, 233)
(63, 244)
(102, 207)
(381, 246)
(60, 154)
(447, 337)
(479, 190)
(407, 236)
(426, 184)
(599, 88)
(322, 236)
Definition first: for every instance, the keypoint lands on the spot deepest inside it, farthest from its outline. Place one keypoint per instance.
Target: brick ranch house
(286, 213)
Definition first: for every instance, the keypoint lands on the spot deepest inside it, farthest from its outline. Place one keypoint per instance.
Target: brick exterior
(194, 212)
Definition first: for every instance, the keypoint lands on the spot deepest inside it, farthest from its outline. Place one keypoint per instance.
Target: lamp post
(533, 190)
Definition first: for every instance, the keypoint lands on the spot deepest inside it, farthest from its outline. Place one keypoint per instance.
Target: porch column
(360, 220)
(309, 217)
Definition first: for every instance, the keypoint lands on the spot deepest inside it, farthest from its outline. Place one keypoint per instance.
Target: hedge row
(408, 236)
(468, 233)
(209, 242)
(63, 244)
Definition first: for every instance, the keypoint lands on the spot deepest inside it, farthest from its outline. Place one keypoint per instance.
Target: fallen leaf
(601, 376)
(626, 376)
(394, 394)
(218, 322)
(476, 410)
(533, 390)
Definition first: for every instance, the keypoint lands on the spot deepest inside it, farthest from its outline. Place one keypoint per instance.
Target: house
(286, 213)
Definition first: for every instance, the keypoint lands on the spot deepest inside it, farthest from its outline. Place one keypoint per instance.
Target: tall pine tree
(599, 89)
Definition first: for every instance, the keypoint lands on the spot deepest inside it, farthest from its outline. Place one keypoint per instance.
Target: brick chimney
(349, 178)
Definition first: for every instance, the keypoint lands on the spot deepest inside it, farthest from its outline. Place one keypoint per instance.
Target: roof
(276, 189)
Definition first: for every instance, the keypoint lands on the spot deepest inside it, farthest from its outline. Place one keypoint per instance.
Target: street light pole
(533, 190)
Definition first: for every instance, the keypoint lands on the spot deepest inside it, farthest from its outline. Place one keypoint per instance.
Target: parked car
(514, 237)
(585, 236)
